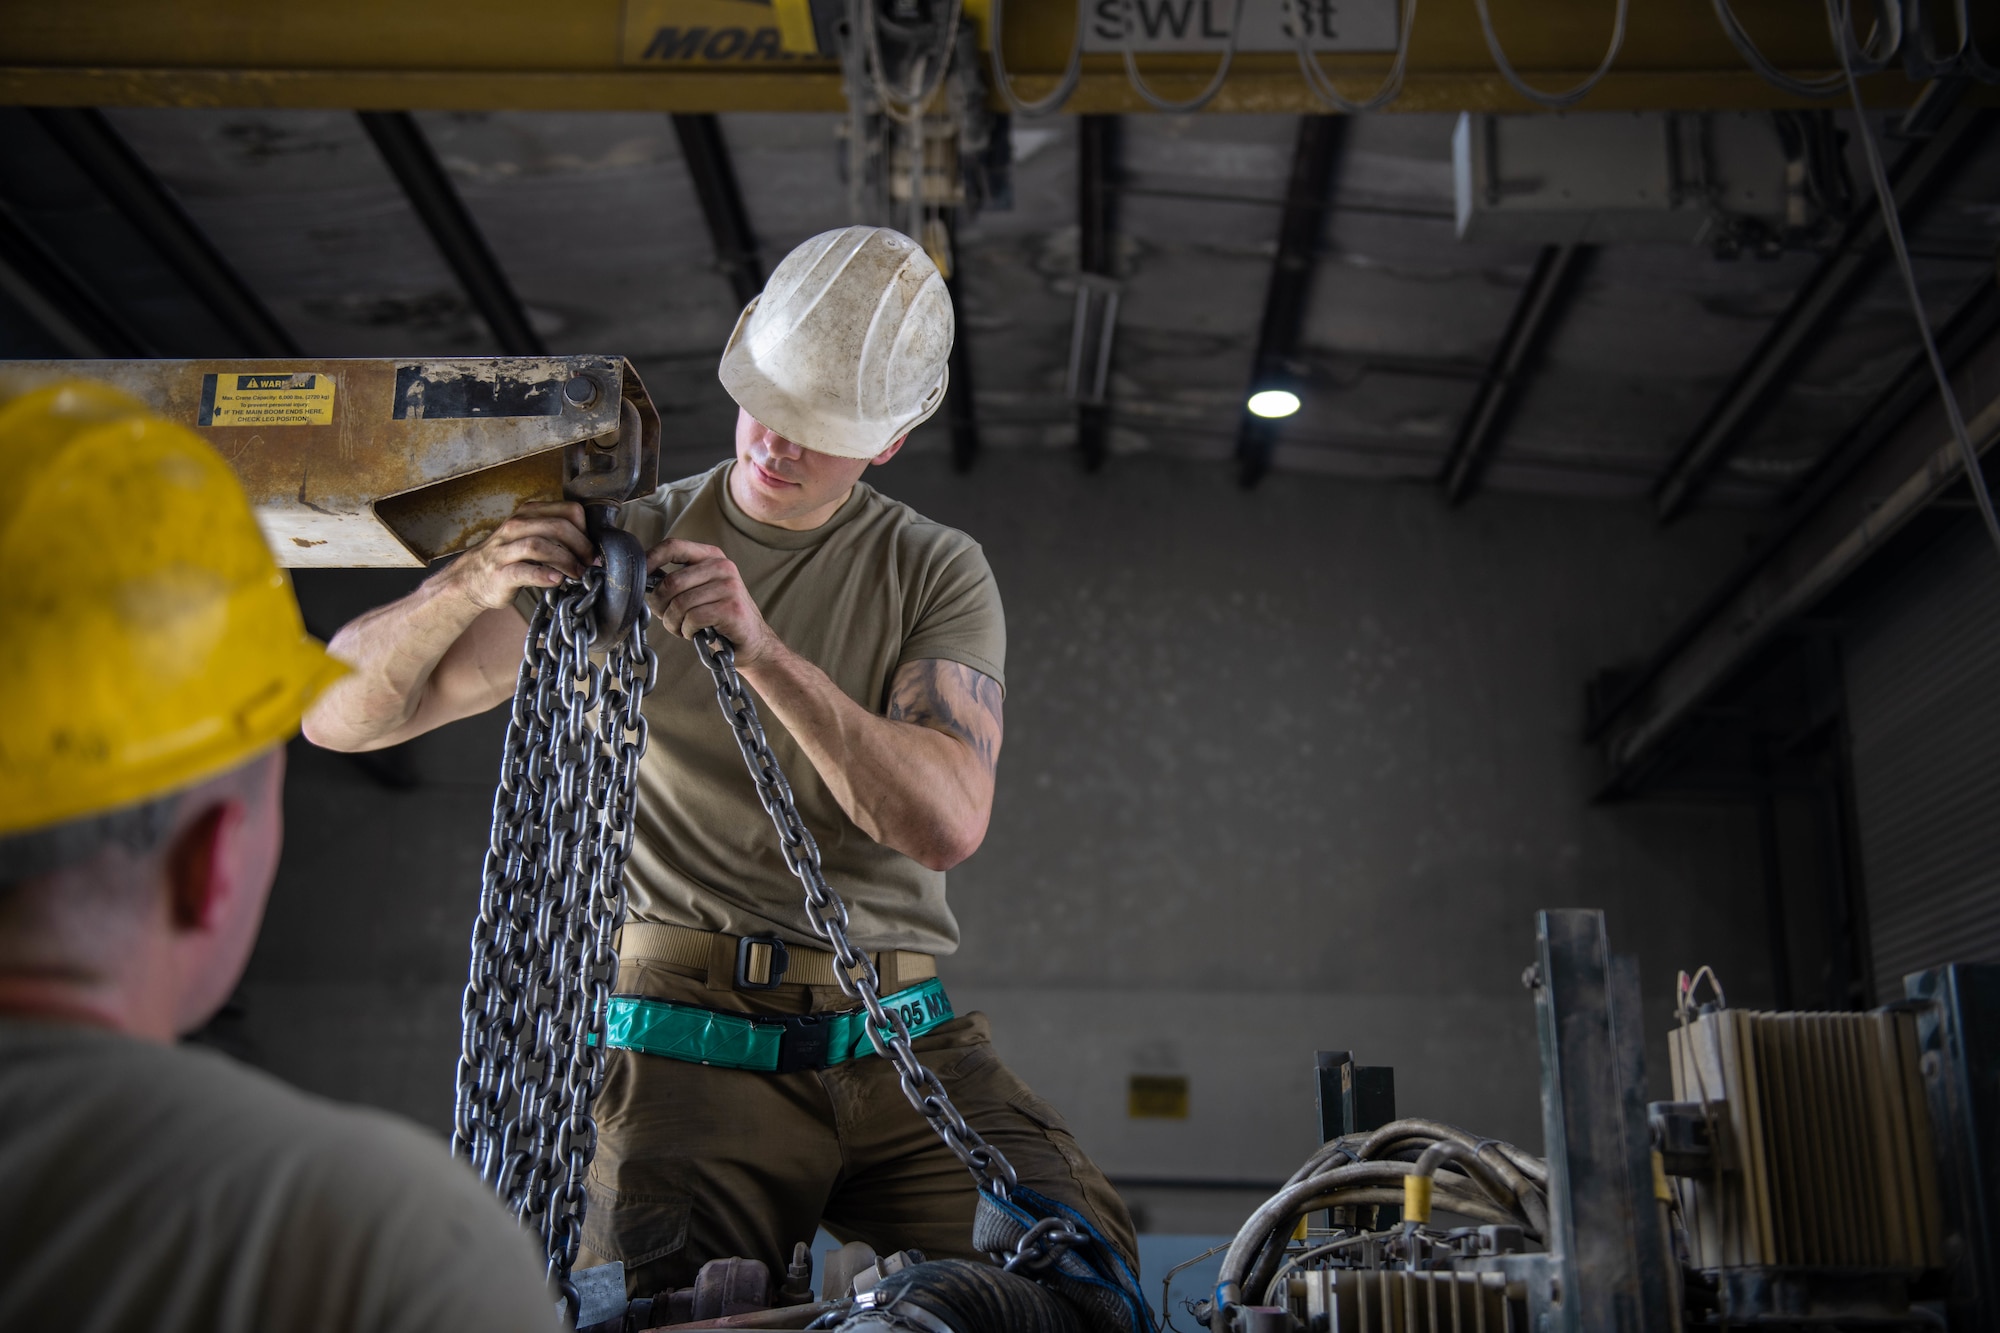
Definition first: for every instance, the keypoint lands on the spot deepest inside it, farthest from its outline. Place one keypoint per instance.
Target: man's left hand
(707, 592)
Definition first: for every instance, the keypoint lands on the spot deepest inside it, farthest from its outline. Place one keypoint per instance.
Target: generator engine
(1819, 1171)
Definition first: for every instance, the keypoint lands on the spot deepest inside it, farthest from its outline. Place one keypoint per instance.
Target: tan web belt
(758, 962)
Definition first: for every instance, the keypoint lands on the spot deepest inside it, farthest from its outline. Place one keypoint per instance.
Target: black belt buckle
(804, 1042)
(781, 959)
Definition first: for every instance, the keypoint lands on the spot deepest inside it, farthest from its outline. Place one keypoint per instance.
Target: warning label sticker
(267, 400)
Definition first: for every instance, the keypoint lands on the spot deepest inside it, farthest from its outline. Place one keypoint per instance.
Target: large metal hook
(603, 476)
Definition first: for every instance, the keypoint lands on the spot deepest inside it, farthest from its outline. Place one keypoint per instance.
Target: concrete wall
(1284, 770)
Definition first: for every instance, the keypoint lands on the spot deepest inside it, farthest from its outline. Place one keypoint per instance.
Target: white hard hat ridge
(847, 348)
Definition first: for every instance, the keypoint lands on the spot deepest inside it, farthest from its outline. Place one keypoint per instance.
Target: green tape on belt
(743, 1041)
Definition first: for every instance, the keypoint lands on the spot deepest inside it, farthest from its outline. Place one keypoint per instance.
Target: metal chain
(552, 895)
(828, 914)
(1042, 1244)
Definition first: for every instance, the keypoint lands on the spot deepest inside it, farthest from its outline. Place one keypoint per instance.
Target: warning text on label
(267, 400)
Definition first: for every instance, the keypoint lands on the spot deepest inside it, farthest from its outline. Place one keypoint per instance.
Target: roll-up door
(1923, 689)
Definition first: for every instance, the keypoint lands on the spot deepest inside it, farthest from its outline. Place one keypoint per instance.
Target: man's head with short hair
(155, 664)
(141, 919)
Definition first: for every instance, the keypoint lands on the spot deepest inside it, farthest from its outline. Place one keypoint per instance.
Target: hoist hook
(603, 474)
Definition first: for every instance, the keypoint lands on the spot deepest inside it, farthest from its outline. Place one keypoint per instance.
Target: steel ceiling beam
(1892, 465)
(708, 164)
(61, 303)
(1917, 178)
(960, 406)
(1551, 287)
(1096, 203)
(133, 189)
(410, 159)
(1315, 153)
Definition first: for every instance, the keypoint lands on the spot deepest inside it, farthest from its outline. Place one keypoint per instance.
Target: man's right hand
(453, 647)
(540, 546)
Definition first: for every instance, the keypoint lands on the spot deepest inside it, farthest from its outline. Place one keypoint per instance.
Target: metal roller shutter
(1923, 690)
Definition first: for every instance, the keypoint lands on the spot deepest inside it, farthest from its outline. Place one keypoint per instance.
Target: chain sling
(552, 897)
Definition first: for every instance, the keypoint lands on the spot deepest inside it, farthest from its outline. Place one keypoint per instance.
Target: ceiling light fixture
(1274, 403)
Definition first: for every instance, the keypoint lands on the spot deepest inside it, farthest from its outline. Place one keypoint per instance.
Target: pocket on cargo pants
(633, 1226)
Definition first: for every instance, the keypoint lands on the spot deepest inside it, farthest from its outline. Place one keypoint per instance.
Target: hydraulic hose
(959, 1296)
(1468, 1161)
(1490, 1181)
(1383, 1181)
(1470, 1203)
(1526, 1177)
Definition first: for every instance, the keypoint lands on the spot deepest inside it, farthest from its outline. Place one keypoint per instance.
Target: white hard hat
(846, 349)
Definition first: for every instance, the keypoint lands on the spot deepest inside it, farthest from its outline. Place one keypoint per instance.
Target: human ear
(198, 867)
(895, 447)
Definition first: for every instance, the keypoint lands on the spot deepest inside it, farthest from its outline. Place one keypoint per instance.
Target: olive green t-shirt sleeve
(959, 617)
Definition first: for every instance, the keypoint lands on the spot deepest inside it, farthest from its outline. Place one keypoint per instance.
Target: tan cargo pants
(697, 1163)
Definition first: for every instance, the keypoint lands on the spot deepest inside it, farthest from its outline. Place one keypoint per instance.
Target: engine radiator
(1821, 1141)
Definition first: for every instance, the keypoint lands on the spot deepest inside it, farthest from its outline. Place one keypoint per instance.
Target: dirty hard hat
(147, 638)
(846, 349)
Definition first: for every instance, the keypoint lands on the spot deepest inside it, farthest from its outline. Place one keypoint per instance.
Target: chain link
(552, 896)
(828, 914)
(1042, 1244)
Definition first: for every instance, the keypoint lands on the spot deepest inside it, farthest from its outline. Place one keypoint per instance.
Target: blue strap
(1094, 1276)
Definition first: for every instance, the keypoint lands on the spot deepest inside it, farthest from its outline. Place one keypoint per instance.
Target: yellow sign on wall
(752, 33)
(267, 400)
(1157, 1097)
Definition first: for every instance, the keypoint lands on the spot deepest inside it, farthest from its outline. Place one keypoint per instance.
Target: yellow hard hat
(147, 638)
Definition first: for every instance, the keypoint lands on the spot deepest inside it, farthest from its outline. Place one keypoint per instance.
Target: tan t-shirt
(875, 586)
(146, 1187)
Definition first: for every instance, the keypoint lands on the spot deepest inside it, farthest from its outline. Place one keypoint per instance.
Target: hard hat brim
(260, 724)
(822, 427)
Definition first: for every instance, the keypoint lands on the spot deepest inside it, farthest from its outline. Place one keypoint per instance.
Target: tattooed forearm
(952, 698)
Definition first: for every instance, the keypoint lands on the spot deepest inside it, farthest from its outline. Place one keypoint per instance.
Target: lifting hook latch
(602, 475)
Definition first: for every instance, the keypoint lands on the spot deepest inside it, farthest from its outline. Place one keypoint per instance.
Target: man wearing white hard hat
(875, 640)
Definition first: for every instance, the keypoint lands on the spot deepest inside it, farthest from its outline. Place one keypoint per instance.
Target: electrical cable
(1293, 1261)
(905, 107)
(1827, 85)
(1451, 1196)
(1251, 1258)
(1451, 1193)
(1201, 99)
(1570, 97)
(1321, 83)
(1167, 1282)
(1064, 86)
(1493, 1179)
(1887, 39)
(1505, 1188)
(1924, 62)
(1892, 222)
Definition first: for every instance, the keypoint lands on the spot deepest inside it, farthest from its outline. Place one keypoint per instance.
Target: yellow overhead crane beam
(366, 463)
(606, 55)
